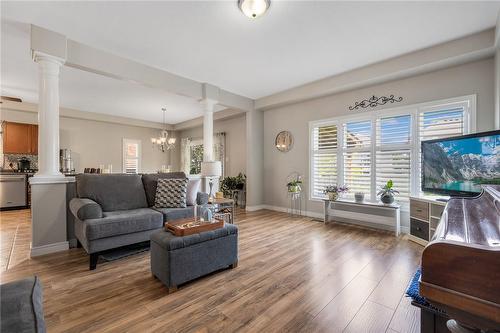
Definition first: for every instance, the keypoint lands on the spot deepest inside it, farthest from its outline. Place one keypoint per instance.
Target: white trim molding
(49, 248)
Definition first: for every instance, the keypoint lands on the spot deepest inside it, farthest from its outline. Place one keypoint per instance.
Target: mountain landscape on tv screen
(462, 165)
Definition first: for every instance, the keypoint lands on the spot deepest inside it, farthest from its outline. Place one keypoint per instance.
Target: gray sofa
(115, 210)
(22, 306)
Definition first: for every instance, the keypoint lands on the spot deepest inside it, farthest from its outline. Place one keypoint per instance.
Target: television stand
(425, 214)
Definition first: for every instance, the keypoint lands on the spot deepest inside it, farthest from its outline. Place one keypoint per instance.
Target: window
(393, 152)
(131, 156)
(195, 159)
(324, 159)
(357, 156)
(365, 151)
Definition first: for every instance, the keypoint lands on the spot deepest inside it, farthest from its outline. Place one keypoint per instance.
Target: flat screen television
(459, 165)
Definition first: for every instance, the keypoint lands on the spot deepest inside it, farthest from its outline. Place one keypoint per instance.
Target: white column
(48, 186)
(208, 128)
(48, 115)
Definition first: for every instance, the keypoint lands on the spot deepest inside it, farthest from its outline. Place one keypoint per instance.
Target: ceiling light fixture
(254, 8)
(164, 142)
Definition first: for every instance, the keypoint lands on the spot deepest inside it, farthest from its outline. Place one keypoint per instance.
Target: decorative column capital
(44, 58)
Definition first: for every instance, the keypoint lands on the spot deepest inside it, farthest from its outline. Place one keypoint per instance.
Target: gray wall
(473, 78)
(235, 129)
(95, 142)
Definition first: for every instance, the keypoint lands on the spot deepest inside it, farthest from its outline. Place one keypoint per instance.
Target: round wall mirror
(284, 141)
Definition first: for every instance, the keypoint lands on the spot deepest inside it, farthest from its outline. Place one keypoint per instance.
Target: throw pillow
(193, 187)
(171, 193)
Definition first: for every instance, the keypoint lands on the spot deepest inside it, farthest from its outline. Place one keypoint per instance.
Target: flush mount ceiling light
(254, 8)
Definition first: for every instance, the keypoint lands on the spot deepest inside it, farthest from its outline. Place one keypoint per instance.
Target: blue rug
(413, 291)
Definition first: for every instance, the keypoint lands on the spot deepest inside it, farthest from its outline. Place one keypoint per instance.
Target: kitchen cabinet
(34, 139)
(20, 138)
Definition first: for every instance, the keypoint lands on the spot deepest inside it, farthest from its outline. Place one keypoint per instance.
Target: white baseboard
(254, 208)
(49, 248)
(285, 210)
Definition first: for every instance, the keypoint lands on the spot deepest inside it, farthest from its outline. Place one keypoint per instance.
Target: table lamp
(211, 169)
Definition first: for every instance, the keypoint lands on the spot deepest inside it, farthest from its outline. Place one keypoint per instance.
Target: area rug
(125, 251)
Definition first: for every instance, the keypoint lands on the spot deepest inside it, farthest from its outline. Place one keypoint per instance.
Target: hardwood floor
(294, 275)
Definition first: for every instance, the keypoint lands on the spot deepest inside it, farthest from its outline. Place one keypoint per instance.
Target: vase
(333, 196)
(359, 197)
(387, 199)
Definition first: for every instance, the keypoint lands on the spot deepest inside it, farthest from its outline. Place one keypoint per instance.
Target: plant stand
(295, 203)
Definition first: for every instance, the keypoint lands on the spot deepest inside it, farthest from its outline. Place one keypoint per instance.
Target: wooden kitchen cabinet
(20, 138)
(34, 139)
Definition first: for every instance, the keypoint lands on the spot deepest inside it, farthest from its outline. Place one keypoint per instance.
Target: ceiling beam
(456, 52)
(87, 58)
(84, 115)
(196, 122)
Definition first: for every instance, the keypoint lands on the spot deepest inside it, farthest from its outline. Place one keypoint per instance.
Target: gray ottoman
(176, 260)
(22, 307)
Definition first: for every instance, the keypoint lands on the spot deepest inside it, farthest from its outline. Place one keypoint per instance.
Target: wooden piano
(461, 264)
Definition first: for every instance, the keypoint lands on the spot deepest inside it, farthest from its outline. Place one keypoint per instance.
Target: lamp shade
(211, 169)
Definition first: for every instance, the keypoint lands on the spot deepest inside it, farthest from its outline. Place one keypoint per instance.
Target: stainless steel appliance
(65, 161)
(12, 191)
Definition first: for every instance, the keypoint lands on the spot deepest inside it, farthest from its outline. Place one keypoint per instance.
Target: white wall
(95, 142)
(235, 130)
(472, 78)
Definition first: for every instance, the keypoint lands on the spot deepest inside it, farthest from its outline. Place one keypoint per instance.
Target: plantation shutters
(441, 124)
(393, 152)
(324, 158)
(357, 156)
(131, 156)
(367, 150)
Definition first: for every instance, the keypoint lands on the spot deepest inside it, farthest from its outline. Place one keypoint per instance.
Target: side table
(222, 208)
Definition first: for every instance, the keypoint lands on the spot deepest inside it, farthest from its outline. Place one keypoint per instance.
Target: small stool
(176, 260)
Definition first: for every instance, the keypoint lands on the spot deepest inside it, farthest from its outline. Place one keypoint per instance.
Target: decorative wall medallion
(375, 101)
(284, 141)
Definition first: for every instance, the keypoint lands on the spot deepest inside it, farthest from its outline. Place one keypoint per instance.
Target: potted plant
(294, 185)
(387, 193)
(333, 191)
(229, 184)
(241, 179)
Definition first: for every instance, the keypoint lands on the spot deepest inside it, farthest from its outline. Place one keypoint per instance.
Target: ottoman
(176, 260)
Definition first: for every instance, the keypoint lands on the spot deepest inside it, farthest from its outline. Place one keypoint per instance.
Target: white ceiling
(293, 44)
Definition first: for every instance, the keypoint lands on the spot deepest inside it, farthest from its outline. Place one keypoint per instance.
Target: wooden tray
(185, 227)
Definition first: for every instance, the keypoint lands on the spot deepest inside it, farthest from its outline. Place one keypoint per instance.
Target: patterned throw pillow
(171, 193)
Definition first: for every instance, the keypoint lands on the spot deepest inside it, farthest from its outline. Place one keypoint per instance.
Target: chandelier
(163, 142)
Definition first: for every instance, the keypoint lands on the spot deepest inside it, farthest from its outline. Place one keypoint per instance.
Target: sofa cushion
(193, 187)
(171, 193)
(122, 222)
(170, 214)
(150, 182)
(22, 306)
(112, 191)
(170, 242)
